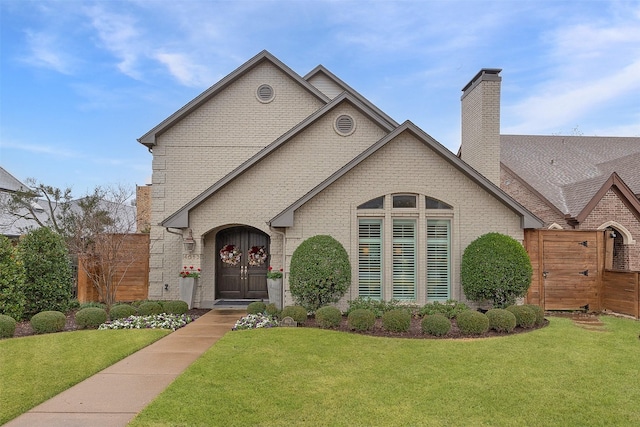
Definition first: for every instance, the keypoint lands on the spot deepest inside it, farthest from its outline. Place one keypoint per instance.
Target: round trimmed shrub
(122, 311)
(472, 322)
(320, 272)
(12, 277)
(296, 312)
(328, 317)
(7, 326)
(539, 311)
(501, 320)
(361, 319)
(48, 321)
(256, 307)
(175, 307)
(90, 318)
(92, 304)
(437, 325)
(149, 308)
(495, 268)
(396, 320)
(271, 310)
(525, 316)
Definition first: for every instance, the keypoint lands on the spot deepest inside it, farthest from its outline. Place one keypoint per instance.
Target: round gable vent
(345, 125)
(265, 93)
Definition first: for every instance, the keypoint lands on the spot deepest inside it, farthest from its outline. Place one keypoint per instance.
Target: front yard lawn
(558, 375)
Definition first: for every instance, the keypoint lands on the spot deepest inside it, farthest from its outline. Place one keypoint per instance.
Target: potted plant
(274, 287)
(188, 279)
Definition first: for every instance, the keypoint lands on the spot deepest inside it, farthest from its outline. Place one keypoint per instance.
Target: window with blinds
(370, 258)
(404, 259)
(438, 260)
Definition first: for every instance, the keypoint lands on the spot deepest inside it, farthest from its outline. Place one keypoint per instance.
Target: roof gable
(614, 182)
(286, 217)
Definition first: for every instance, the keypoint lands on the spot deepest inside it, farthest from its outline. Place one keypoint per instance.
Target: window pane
(438, 260)
(370, 258)
(404, 201)
(404, 259)
(437, 204)
(377, 203)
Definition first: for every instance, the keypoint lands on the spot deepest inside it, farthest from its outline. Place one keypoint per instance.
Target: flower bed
(163, 321)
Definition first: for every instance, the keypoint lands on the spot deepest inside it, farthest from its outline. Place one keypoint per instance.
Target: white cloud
(186, 70)
(45, 51)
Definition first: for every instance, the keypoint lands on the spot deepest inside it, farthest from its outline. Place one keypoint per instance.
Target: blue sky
(82, 80)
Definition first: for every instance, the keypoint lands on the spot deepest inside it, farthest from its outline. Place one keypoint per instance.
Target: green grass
(559, 375)
(35, 368)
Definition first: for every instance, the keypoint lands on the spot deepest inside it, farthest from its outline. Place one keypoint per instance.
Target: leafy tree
(320, 272)
(495, 268)
(12, 276)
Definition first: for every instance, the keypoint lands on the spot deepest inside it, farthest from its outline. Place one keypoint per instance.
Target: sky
(80, 81)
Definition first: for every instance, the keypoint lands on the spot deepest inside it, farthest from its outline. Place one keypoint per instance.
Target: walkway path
(114, 396)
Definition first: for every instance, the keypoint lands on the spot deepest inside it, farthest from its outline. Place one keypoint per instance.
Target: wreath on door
(230, 254)
(257, 256)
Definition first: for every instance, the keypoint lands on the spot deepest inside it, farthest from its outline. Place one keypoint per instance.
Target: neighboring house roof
(180, 219)
(285, 218)
(569, 171)
(9, 182)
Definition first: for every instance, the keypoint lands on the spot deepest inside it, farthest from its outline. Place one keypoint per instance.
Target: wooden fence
(621, 292)
(134, 285)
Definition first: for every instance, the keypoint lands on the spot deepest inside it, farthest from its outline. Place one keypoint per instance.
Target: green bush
(361, 319)
(48, 321)
(495, 268)
(175, 307)
(256, 307)
(12, 277)
(449, 309)
(7, 326)
(328, 317)
(272, 310)
(501, 320)
(320, 272)
(539, 313)
(472, 322)
(437, 325)
(92, 304)
(397, 320)
(149, 308)
(90, 318)
(49, 279)
(74, 304)
(525, 316)
(122, 311)
(378, 307)
(296, 312)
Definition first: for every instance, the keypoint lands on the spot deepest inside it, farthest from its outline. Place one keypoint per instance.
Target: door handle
(544, 274)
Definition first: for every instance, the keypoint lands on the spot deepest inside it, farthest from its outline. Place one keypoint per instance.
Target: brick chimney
(481, 123)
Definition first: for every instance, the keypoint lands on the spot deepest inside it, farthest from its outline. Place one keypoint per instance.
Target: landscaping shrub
(12, 277)
(148, 308)
(437, 325)
(525, 316)
(92, 304)
(495, 268)
(256, 307)
(320, 272)
(49, 279)
(378, 307)
(271, 310)
(501, 320)
(361, 319)
(48, 321)
(7, 326)
(122, 311)
(472, 322)
(90, 318)
(175, 307)
(397, 320)
(539, 311)
(296, 312)
(449, 309)
(328, 317)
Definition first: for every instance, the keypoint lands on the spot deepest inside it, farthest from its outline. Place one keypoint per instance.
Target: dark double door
(241, 280)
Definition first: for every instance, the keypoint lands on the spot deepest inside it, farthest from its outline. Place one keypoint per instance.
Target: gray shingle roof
(569, 170)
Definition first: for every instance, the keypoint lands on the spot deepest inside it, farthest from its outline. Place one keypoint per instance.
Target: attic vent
(345, 125)
(265, 93)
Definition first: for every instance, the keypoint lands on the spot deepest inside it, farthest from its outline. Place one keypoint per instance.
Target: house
(266, 158)
(12, 226)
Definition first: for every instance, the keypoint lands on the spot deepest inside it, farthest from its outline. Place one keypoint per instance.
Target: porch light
(189, 243)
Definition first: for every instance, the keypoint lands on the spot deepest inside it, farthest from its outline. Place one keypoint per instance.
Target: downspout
(284, 256)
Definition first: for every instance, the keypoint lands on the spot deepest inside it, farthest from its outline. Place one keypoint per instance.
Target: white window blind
(404, 259)
(438, 260)
(370, 258)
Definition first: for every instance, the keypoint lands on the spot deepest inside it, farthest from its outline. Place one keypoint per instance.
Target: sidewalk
(114, 396)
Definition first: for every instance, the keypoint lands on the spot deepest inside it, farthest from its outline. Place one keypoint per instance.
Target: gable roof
(615, 183)
(286, 217)
(569, 170)
(149, 138)
(9, 182)
(180, 218)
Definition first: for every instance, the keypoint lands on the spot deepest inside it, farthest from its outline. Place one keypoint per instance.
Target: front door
(241, 263)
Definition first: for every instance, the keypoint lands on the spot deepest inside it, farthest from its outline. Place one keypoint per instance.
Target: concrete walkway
(114, 396)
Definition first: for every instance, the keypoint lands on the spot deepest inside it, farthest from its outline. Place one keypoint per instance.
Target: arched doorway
(238, 277)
